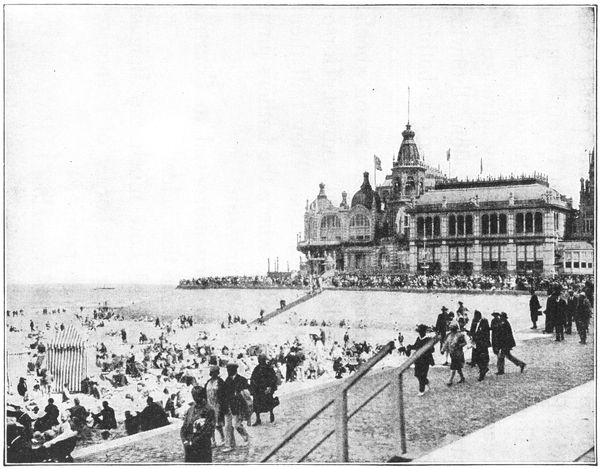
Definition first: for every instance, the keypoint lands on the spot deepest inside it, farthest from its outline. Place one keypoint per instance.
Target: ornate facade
(418, 221)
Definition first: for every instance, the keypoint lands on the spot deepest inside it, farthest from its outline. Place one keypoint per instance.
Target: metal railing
(341, 404)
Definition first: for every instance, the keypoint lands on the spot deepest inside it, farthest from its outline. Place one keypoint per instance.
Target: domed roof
(321, 202)
(409, 153)
(366, 195)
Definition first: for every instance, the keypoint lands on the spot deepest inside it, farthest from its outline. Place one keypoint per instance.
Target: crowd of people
(143, 383)
(400, 281)
(257, 281)
(457, 282)
(148, 382)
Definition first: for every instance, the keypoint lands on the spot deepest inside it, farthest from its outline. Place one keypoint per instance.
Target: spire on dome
(409, 153)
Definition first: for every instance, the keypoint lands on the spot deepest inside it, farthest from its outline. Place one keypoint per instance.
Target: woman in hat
(263, 384)
(441, 326)
(422, 363)
(215, 388)
(454, 346)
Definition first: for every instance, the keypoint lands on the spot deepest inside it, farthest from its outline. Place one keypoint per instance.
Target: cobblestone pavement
(442, 415)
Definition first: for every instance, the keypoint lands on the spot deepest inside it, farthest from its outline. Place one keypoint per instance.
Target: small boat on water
(104, 288)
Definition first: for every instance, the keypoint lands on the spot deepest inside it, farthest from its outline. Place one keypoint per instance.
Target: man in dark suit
(534, 308)
(571, 308)
(480, 335)
(234, 406)
(506, 342)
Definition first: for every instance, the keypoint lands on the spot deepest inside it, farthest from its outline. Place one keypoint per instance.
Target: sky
(151, 144)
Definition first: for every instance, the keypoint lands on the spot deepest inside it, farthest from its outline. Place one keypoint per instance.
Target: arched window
(529, 222)
(436, 226)
(538, 223)
(360, 227)
(359, 221)
(330, 226)
(469, 224)
(493, 223)
(452, 225)
(460, 228)
(502, 227)
(519, 223)
(420, 226)
(485, 224)
(428, 227)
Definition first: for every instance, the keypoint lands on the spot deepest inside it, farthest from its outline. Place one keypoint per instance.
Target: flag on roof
(377, 163)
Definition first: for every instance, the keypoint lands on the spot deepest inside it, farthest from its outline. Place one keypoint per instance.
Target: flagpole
(375, 173)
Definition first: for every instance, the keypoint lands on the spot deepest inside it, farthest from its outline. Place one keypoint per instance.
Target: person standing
(560, 318)
(422, 363)
(263, 384)
(481, 341)
(534, 308)
(197, 429)
(571, 308)
(291, 362)
(234, 406)
(215, 395)
(441, 326)
(506, 344)
(582, 316)
(551, 308)
(454, 344)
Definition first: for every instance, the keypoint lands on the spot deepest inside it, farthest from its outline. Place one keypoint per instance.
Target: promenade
(559, 429)
(445, 415)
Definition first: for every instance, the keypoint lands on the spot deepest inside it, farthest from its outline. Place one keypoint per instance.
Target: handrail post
(402, 425)
(341, 426)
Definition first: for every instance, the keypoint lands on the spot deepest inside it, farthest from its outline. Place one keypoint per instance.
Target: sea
(379, 309)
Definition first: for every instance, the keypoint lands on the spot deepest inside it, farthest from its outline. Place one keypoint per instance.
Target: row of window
(462, 225)
(331, 222)
(576, 265)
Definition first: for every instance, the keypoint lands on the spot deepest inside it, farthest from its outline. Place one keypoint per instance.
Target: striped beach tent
(68, 358)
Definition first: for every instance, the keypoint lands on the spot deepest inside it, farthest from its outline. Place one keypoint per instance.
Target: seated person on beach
(105, 419)
(153, 416)
(132, 423)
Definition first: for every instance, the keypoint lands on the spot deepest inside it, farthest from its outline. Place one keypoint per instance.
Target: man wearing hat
(506, 344)
(495, 329)
(552, 308)
(422, 363)
(441, 326)
(480, 335)
(583, 313)
(215, 394)
(571, 307)
(234, 406)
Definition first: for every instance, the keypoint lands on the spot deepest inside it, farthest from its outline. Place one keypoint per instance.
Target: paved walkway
(556, 430)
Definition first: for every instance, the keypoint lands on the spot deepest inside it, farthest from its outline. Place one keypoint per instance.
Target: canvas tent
(68, 358)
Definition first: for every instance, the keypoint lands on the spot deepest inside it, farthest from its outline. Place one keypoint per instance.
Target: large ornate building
(420, 221)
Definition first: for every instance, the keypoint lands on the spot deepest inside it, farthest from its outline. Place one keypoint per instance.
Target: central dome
(366, 195)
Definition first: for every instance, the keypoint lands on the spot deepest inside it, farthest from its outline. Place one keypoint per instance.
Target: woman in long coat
(263, 384)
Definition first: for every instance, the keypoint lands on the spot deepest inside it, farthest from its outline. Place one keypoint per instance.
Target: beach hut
(68, 358)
